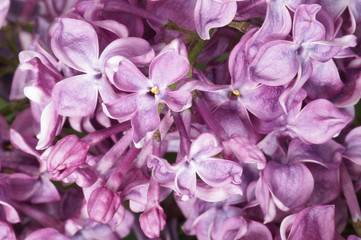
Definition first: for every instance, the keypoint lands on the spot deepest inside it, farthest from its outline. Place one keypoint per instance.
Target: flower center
(236, 92)
(7, 146)
(154, 90)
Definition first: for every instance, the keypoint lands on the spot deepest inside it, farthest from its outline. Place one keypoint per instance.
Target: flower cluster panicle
(227, 119)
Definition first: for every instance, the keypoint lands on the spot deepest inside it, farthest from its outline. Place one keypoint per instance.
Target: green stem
(175, 27)
(14, 107)
(194, 53)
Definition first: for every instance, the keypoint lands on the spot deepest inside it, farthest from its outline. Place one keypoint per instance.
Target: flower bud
(66, 156)
(103, 204)
(152, 221)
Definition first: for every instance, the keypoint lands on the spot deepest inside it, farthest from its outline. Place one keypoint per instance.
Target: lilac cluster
(219, 119)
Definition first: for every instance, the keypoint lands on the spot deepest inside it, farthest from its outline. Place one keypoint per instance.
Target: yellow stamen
(10, 147)
(236, 92)
(154, 90)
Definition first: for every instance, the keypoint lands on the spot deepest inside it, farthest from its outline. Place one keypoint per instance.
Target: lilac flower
(309, 45)
(270, 63)
(213, 171)
(145, 94)
(77, 95)
(271, 154)
(316, 123)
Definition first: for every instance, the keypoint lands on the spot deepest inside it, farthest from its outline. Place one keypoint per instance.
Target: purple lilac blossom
(134, 119)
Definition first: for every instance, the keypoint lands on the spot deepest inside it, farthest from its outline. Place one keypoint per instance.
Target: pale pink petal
(218, 172)
(76, 96)
(167, 68)
(204, 146)
(75, 43)
(212, 14)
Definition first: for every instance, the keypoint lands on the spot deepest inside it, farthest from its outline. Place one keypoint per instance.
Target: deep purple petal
(325, 81)
(327, 184)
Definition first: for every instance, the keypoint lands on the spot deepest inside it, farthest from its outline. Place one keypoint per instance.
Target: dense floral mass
(180, 119)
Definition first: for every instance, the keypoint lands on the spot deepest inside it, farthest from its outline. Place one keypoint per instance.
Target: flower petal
(218, 172)
(135, 49)
(263, 102)
(328, 155)
(75, 43)
(122, 108)
(177, 101)
(319, 121)
(185, 181)
(276, 63)
(75, 96)
(50, 125)
(305, 26)
(212, 14)
(128, 77)
(4, 8)
(353, 145)
(143, 122)
(46, 233)
(323, 51)
(290, 184)
(167, 68)
(313, 223)
(204, 146)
